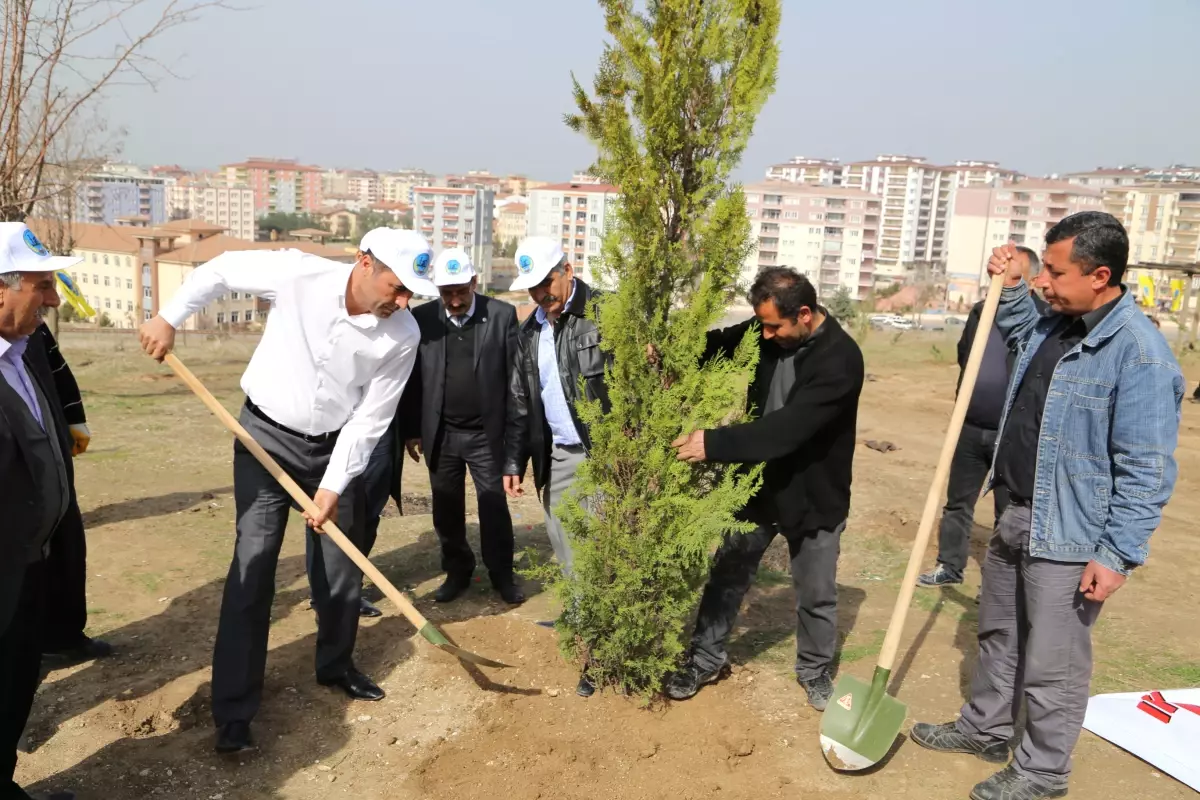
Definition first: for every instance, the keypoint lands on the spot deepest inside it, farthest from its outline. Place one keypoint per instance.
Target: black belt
(310, 438)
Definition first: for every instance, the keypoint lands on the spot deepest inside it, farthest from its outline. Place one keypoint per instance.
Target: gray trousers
(1035, 642)
(814, 557)
(564, 461)
(240, 654)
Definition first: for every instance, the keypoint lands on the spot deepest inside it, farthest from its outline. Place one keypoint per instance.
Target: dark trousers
(1035, 644)
(454, 452)
(20, 666)
(968, 470)
(814, 557)
(65, 614)
(240, 655)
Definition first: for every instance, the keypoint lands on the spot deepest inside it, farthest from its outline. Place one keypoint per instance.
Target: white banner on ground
(1159, 727)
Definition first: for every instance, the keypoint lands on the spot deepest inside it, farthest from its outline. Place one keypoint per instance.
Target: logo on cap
(33, 244)
(453, 266)
(525, 264)
(421, 265)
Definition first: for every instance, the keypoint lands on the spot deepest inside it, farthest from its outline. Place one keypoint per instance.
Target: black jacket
(64, 381)
(577, 348)
(808, 445)
(420, 410)
(19, 496)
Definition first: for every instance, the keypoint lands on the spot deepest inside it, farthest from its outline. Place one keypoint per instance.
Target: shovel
(862, 720)
(424, 627)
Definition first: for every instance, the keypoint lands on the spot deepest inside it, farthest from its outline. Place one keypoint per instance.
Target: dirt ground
(155, 488)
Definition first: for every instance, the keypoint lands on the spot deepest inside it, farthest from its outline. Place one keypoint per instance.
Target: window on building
(791, 201)
(93, 258)
(106, 258)
(752, 198)
(233, 295)
(107, 302)
(856, 203)
(852, 261)
(818, 201)
(816, 217)
(146, 315)
(1001, 209)
(220, 317)
(593, 246)
(128, 283)
(82, 278)
(555, 202)
(129, 305)
(146, 292)
(233, 316)
(592, 217)
(106, 280)
(95, 277)
(853, 234)
(1039, 197)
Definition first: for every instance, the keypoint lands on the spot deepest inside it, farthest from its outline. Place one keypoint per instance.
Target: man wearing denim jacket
(1086, 452)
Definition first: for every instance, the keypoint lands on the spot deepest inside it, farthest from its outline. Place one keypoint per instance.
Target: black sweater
(808, 445)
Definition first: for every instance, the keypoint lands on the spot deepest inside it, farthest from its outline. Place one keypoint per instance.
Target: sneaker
(938, 576)
(684, 684)
(946, 738)
(818, 689)
(1008, 784)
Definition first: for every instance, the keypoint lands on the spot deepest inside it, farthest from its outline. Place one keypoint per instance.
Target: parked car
(903, 324)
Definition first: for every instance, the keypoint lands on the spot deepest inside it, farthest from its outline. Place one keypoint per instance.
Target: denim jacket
(1105, 456)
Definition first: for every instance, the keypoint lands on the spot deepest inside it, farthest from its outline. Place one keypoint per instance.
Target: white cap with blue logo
(406, 253)
(453, 268)
(536, 256)
(20, 251)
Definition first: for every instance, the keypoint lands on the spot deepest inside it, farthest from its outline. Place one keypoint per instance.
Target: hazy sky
(1040, 85)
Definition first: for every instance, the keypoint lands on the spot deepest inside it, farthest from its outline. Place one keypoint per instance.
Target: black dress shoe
(234, 737)
(85, 649)
(356, 685)
(367, 609)
(509, 592)
(685, 683)
(452, 587)
(585, 688)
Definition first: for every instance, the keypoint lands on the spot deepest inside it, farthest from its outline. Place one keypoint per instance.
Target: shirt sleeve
(370, 419)
(257, 272)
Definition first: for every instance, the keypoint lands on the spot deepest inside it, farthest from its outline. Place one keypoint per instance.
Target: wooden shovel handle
(269, 464)
(891, 642)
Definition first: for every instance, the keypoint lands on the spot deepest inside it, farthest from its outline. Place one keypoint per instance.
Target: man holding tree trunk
(805, 397)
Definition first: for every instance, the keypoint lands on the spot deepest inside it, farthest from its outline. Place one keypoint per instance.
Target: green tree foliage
(286, 223)
(672, 107)
(843, 306)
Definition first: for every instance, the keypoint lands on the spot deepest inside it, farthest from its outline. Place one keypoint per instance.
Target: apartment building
(477, 179)
(397, 187)
(574, 212)
(512, 222)
(829, 233)
(120, 190)
(365, 185)
(988, 216)
(454, 217)
(1106, 177)
(811, 171)
(916, 209)
(230, 208)
(1163, 221)
(282, 185)
(981, 173)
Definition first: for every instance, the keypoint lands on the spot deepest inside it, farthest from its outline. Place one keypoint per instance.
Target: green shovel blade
(861, 722)
(431, 634)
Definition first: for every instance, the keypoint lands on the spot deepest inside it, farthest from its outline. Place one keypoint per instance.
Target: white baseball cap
(406, 253)
(536, 256)
(453, 268)
(20, 251)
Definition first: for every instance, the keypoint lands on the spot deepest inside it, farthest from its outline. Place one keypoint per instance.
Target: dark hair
(1100, 241)
(790, 290)
(1035, 263)
(377, 265)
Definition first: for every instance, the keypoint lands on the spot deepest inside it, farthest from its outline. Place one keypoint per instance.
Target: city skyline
(933, 78)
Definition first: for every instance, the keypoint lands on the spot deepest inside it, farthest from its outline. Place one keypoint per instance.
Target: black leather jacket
(577, 347)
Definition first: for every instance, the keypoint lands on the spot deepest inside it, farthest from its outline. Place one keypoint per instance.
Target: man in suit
(63, 638)
(455, 408)
(804, 396)
(35, 479)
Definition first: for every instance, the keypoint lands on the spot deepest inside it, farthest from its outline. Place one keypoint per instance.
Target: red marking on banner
(1154, 712)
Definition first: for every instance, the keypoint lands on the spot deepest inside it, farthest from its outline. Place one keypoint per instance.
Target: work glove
(80, 436)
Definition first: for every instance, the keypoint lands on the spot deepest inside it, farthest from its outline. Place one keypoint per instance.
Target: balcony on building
(771, 213)
(772, 199)
(835, 217)
(1020, 211)
(768, 227)
(835, 202)
(833, 233)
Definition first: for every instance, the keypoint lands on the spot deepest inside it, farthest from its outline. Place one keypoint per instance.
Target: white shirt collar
(540, 315)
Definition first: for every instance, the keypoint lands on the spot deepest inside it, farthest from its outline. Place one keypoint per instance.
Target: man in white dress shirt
(321, 389)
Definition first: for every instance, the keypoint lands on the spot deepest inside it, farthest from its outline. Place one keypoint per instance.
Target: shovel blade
(861, 722)
(431, 634)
